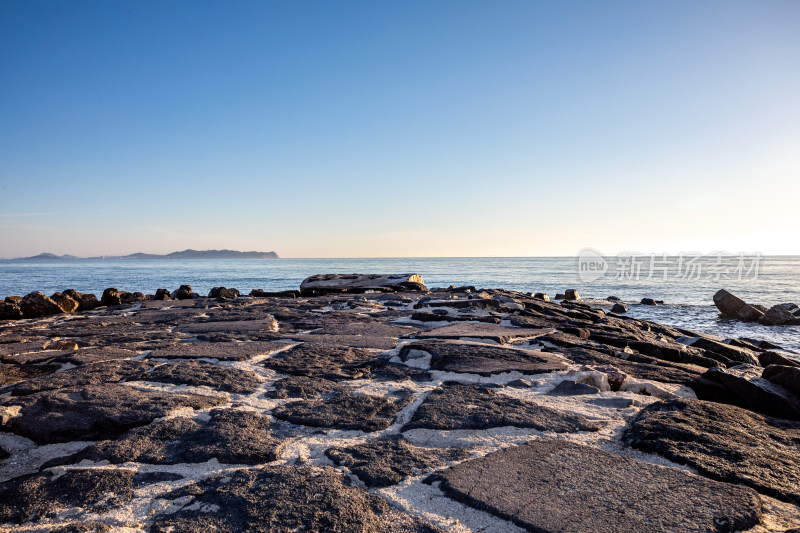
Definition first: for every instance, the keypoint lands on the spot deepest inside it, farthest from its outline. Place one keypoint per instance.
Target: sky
(399, 129)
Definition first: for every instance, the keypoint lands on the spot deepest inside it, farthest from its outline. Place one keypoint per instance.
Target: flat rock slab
(387, 462)
(223, 351)
(36, 496)
(10, 374)
(343, 411)
(93, 374)
(305, 388)
(485, 359)
(96, 355)
(554, 485)
(14, 348)
(265, 325)
(355, 341)
(492, 332)
(200, 373)
(325, 361)
(230, 437)
(723, 442)
(570, 388)
(457, 406)
(300, 499)
(92, 412)
(366, 329)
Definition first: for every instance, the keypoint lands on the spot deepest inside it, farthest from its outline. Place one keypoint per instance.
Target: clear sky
(368, 129)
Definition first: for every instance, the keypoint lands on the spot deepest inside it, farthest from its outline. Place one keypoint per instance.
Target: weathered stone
(787, 377)
(300, 499)
(344, 411)
(222, 292)
(735, 354)
(266, 324)
(162, 295)
(571, 295)
(230, 437)
(750, 313)
(93, 411)
(10, 311)
(67, 304)
(744, 386)
(325, 361)
(496, 333)
(10, 374)
(132, 297)
(36, 304)
(340, 283)
(777, 315)
(728, 304)
(200, 373)
(389, 461)
(723, 442)
(12, 299)
(619, 309)
(541, 296)
(305, 388)
(484, 359)
(184, 292)
(92, 374)
(33, 497)
(457, 406)
(223, 351)
(554, 485)
(773, 358)
(111, 297)
(648, 301)
(571, 388)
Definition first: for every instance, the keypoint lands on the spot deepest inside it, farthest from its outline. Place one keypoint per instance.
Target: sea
(686, 284)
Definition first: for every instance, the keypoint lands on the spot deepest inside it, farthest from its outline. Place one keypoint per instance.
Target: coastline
(380, 402)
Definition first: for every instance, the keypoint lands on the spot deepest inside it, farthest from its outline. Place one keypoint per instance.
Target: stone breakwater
(386, 406)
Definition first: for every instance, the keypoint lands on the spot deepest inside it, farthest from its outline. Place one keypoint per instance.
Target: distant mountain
(186, 254)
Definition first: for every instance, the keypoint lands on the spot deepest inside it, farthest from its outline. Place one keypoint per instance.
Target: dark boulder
(162, 294)
(86, 301)
(132, 297)
(184, 292)
(67, 304)
(777, 315)
(619, 309)
(571, 295)
(773, 358)
(728, 304)
(787, 377)
(541, 296)
(13, 299)
(648, 301)
(223, 293)
(9, 311)
(751, 313)
(111, 297)
(36, 304)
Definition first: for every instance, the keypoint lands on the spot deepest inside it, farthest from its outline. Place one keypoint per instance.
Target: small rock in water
(751, 313)
(778, 315)
(541, 296)
(648, 301)
(619, 309)
(727, 303)
(571, 295)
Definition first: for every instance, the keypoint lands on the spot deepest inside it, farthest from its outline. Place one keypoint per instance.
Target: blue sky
(365, 129)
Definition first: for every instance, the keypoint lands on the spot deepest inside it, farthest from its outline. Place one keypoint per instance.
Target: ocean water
(686, 288)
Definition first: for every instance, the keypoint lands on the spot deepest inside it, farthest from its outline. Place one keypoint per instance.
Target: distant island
(186, 254)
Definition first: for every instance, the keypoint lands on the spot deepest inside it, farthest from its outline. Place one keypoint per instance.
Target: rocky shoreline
(371, 403)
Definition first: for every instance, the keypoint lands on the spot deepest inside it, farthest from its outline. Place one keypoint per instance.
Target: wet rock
(223, 351)
(648, 301)
(344, 411)
(554, 485)
(484, 359)
(184, 292)
(750, 313)
(33, 497)
(496, 333)
(727, 303)
(36, 304)
(200, 373)
(787, 377)
(111, 297)
(230, 436)
(325, 361)
(743, 386)
(91, 374)
(777, 315)
(773, 358)
(571, 294)
(723, 442)
(571, 388)
(619, 309)
(457, 406)
(300, 499)
(389, 461)
(222, 292)
(92, 412)
(67, 304)
(10, 311)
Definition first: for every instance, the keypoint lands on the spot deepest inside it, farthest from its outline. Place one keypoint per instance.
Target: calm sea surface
(686, 288)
